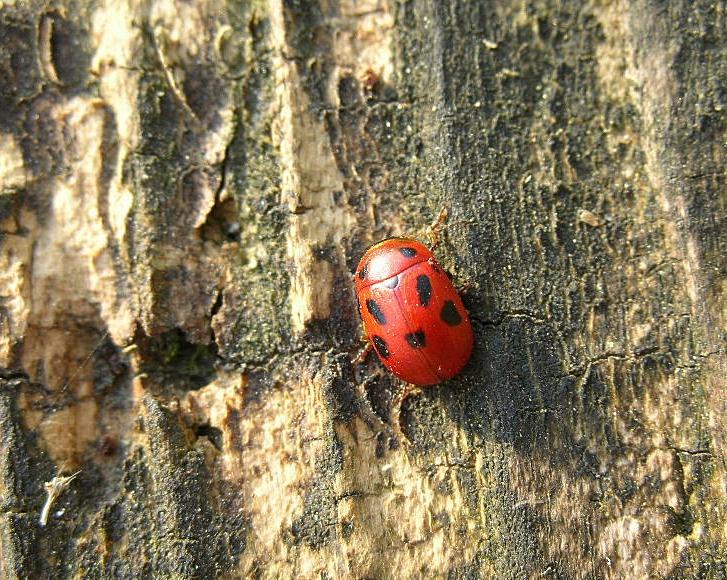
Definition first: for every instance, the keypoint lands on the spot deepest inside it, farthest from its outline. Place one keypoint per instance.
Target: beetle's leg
(363, 354)
(465, 289)
(435, 230)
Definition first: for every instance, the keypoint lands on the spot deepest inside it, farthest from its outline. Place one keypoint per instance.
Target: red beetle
(411, 312)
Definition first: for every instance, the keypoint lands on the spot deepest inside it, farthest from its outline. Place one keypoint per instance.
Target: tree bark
(186, 190)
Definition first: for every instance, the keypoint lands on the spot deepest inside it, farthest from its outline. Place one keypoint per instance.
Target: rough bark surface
(186, 188)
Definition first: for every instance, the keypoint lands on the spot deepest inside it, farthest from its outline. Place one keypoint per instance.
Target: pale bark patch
(309, 174)
(15, 260)
(12, 168)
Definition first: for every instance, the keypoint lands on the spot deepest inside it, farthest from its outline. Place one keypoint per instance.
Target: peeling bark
(185, 189)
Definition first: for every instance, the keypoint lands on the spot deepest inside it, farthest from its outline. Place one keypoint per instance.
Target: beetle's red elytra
(411, 312)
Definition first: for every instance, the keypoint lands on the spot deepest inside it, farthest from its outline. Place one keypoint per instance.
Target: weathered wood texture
(186, 189)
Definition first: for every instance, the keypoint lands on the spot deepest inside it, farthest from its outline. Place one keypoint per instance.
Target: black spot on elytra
(363, 272)
(375, 311)
(449, 314)
(408, 252)
(381, 347)
(424, 289)
(392, 282)
(416, 339)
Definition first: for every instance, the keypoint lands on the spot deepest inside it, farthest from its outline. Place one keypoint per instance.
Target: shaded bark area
(186, 189)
